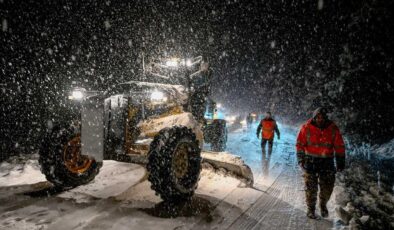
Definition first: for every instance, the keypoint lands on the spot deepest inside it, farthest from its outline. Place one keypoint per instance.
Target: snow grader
(157, 123)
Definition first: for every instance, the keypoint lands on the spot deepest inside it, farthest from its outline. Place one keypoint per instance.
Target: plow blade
(231, 163)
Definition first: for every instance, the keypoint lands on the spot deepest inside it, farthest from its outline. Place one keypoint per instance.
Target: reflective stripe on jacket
(323, 143)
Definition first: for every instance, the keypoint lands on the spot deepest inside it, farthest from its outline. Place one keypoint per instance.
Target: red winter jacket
(320, 143)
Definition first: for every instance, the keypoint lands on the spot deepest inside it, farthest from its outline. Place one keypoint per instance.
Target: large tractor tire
(61, 160)
(174, 163)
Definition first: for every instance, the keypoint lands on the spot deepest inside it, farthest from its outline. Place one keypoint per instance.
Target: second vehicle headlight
(158, 96)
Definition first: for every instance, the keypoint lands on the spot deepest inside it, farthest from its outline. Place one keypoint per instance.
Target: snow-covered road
(281, 205)
(120, 198)
(266, 168)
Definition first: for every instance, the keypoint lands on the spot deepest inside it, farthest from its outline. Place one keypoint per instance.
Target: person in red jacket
(268, 128)
(318, 143)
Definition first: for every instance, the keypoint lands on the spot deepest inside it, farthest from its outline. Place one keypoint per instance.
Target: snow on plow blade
(231, 163)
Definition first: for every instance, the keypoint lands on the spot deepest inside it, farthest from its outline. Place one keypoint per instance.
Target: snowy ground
(121, 198)
(367, 187)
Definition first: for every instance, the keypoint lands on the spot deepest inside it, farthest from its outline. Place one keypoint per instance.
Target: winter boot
(311, 213)
(323, 210)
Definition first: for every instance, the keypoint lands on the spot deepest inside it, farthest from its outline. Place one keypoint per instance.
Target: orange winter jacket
(268, 127)
(323, 143)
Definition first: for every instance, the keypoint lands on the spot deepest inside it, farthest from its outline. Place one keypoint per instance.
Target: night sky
(283, 56)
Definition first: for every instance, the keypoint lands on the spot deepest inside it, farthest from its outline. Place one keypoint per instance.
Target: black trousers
(270, 144)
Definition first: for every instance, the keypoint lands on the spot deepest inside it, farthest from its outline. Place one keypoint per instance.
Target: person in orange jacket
(268, 128)
(319, 141)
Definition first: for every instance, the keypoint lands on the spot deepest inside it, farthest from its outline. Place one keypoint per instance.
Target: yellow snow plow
(158, 124)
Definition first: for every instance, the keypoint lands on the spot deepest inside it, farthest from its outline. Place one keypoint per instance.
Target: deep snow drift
(366, 187)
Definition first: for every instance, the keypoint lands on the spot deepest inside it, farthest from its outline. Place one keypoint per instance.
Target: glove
(278, 137)
(257, 136)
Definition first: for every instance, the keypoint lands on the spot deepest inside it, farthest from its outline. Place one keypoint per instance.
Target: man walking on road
(318, 142)
(268, 128)
(249, 120)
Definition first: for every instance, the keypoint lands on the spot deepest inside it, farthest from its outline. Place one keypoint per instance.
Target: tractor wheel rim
(180, 162)
(74, 160)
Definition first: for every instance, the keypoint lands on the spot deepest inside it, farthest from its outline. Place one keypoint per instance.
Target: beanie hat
(321, 110)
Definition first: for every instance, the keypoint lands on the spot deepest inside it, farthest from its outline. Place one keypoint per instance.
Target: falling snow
(249, 57)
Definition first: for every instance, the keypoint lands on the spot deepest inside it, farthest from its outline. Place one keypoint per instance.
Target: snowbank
(364, 191)
(23, 169)
(386, 150)
(361, 200)
(120, 197)
(113, 179)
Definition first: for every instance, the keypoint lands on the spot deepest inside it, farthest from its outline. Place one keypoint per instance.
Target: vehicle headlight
(174, 62)
(188, 62)
(230, 118)
(77, 94)
(158, 96)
